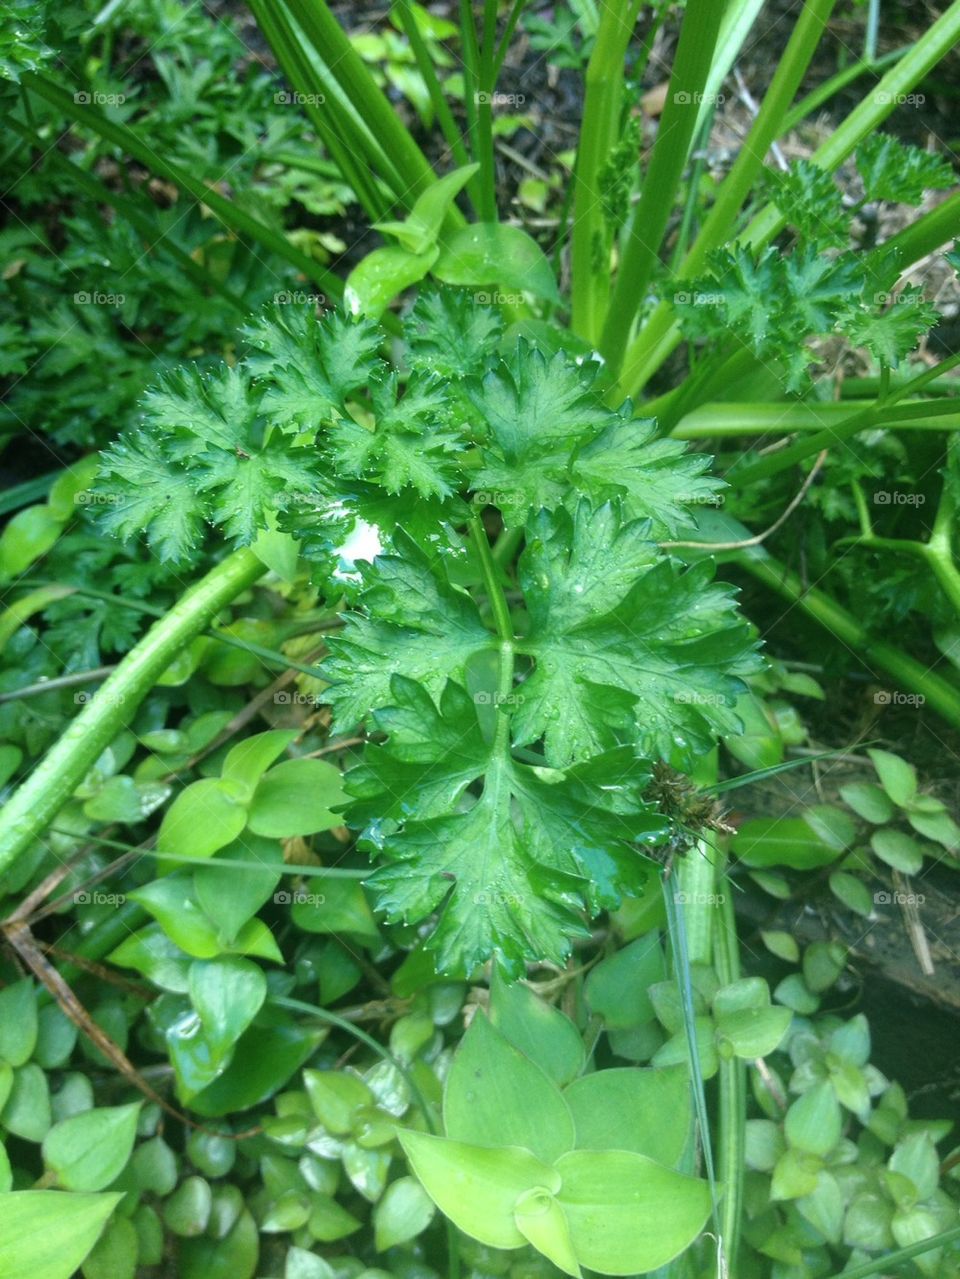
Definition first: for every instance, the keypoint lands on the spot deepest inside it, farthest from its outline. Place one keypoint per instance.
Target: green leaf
(404, 1212)
(898, 850)
(752, 1032)
(810, 201)
(547, 434)
(508, 865)
(867, 801)
(494, 1095)
(491, 253)
(814, 1124)
(338, 1099)
(27, 535)
(249, 760)
(382, 275)
(230, 897)
(341, 908)
(782, 841)
(173, 903)
(18, 1022)
(114, 1255)
(897, 777)
(900, 174)
(234, 1256)
(151, 952)
(46, 1234)
(626, 1213)
(623, 1109)
(89, 1151)
(187, 1210)
(27, 1110)
(205, 816)
(419, 230)
(852, 891)
(477, 1187)
(618, 987)
(264, 1059)
(227, 993)
(540, 1031)
(542, 1222)
(650, 655)
(295, 798)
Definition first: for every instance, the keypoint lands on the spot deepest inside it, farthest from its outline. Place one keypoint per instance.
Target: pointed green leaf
(46, 1233)
(89, 1151)
(295, 798)
(623, 1109)
(494, 1095)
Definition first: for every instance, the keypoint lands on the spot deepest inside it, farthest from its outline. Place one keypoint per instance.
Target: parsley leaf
(898, 173)
(811, 202)
(511, 869)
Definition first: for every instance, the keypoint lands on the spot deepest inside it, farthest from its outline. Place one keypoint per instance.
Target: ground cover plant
(479, 697)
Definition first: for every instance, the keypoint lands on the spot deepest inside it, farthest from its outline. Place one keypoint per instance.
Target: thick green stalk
(337, 53)
(229, 213)
(810, 445)
(38, 799)
(590, 270)
(346, 140)
(661, 334)
(731, 1142)
(691, 67)
(914, 676)
(731, 420)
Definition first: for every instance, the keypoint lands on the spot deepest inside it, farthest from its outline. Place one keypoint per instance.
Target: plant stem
(501, 618)
(824, 92)
(732, 1093)
(691, 67)
(912, 675)
(603, 96)
(438, 99)
(719, 420)
(333, 46)
(879, 1265)
(41, 796)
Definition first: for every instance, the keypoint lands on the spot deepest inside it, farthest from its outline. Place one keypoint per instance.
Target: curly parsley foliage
(507, 796)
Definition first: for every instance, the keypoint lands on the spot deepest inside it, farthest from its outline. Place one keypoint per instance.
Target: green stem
(438, 99)
(691, 67)
(824, 92)
(879, 1265)
(347, 141)
(41, 796)
(504, 627)
(783, 459)
(486, 80)
(914, 676)
(719, 420)
(731, 1163)
(333, 47)
(230, 214)
(590, 270)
